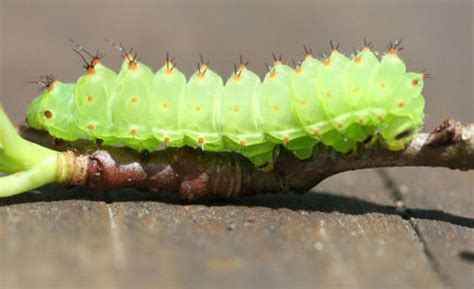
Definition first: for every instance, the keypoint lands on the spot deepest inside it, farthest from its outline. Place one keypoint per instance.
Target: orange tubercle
(51, 85)
(132, 65)
(201, 140)
(242, 143)
(169, 64)
(90, 71)
(95, 61)
(202, 70)
(133, 132)
(392, 51)
(273, 74)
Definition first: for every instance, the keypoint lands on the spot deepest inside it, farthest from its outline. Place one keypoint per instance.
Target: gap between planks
(408, 218)
(118, 251)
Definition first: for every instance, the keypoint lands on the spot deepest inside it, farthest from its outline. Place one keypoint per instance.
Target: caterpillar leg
(302, 147)
(261, 155)
(205, 141)
(338, 141)
(170, 138)
(348, 130)
(357, 132)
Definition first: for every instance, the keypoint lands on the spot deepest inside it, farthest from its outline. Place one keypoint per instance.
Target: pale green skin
(60, 103)
(92, 103)
(29, 165)
(339, 102)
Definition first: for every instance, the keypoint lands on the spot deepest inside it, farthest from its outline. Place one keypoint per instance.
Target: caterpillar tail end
(28, 165)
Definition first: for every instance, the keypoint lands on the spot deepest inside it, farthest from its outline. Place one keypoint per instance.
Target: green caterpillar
(337, 101)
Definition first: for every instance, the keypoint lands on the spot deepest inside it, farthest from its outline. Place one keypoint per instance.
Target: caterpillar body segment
(385, 78)
(330, 79)
(169, 85)
(93, 102)
(278, 120)
(56, 111)
(132, 106)
(337, 101)
(405, 111)
(357, 74)
(241, 123)
(200, 110)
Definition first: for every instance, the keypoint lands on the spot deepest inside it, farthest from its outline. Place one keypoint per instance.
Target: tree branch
(195, 174)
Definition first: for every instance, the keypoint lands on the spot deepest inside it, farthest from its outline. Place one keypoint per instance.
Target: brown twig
(195, 174)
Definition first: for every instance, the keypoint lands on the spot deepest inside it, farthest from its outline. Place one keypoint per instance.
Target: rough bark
(195, 174)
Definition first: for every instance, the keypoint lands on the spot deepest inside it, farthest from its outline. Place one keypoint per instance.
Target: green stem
(30, 165)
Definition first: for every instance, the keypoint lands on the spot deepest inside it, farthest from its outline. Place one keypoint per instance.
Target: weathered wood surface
(448, 239)
(347, 233)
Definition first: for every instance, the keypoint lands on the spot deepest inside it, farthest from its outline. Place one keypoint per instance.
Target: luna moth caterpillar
(338, 101)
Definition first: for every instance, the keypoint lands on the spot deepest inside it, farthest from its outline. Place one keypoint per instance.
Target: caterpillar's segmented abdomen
(338, 101)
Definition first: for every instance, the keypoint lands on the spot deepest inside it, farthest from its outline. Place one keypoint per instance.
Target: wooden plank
(334, 239)
(345, 235)
(60, 244)
(441, 208)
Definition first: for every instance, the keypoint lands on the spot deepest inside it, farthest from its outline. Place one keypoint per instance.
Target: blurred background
(347, 233)
(438, 36)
